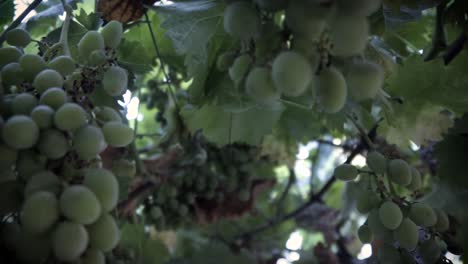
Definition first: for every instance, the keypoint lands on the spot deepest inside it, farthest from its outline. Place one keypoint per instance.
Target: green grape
(104, 233)
(23, 104)
(416, 181)
(93, 256)
(106, 114)
(53, 144)
(430, 251)
(31, 248)
(114, 81)
(20, 132)
(272, 5)
(64, 65)
(46, 79)
(364, 80)
(156, 212)
(69, 241)
(358, 7)
(376, 162)
(407, 234)
(332, 90)
(70, 116)
(225, 60)
(45, 181)
(112, 34)
(117, 134)
(8, 157)
(308, 49)
(307, 18)
(104, 185)
(240, 68)
(349, 35)
(292, 73)
(366, 201)
(346, 172)
(259, 85)
(399, 172)
(43, 115)
(9, 55)
(443, 222)
(54, 97)
(79, 204)
(88, 141)
(32, 64)
(124, 168)
(12, 74)
(97, 57)
(40, 212)
(390, 215)
(18, 37)
(423, 215)
(90, 42)
(388, 255)
(241, 20)
(365, 234)
(29, 163)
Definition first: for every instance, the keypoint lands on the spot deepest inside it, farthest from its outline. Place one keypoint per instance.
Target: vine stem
(65, 28)
(19, 19)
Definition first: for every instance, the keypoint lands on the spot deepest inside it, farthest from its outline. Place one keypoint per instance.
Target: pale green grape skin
(416, 181)
(45, 181)
(104, 185)
(79, 204)
(8, 157)
(69, 241)
(90, 42)
(106, 114)
(364, 79)
(32, 64)
(332, 90)
(29, 163)
(64, 65)
(430, 251)
(407, 234)
(114, 81)
(12, 74)
(69, 117)
(349, 35)
(346, 172)
(43, 115)
(365, 234)
(112, 34)
(18, 37)
(104, 234)
(54, 97)
(259, 86)
(23, 104)
(47, 79)
(225, 60)
(376, 162)
(40, 212)
(9, 55)
(88, 141)
(367, 200)
(307, 48)
(117, 134)
(443, 222)
(93, 256)
(423, 215)
(399, 172)
(241, 20)
(358, 7)
(97, 57)
(20, 132)
(240, 67)
(292, 73)
(53, 144)
(390, 215)
(388, 255)
(307, 18)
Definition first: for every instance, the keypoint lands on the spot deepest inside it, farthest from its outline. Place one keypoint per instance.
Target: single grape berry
(79, 204)
(225, 60)
(292, 73)
(104, 234)
(9, 55)
(40, 212)
(64, 65)
(88, 141)
(23, 104)
(53, 144)
(307, 19)
(365, 234)
(259, 86)
(114, 81)
(90, 42)
(399, 172)
(32, 64)
(376, 162)
(443, 222)
(117, 134)
(366, 201)
(70, 116)
(69, 241)
(364, 79)
(45, 181)
(423, 215)
(332, 90)
(416, 181)
(430, 251)
(47, 79)
(112, 34)
(12, 74)
(104, 185)
(241, 20)
(43, 115)
(407, 234)
(106, 114)
(20, 132)
(390, 215)
(240, 68)
(349, 35)
(18, 37)
(346, 172)
(97, 57)
(54, 97)
(94, 256)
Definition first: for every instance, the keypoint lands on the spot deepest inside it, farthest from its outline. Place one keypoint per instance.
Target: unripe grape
(390, 215)
(18, 37)
(23, 104)
(88, 141)
(430, 251)
(225, 60)
(387, 254)
(292, 73)
(416, 181)
(47, 79)
(114, 81)
(9, 55)
(40, 212)
(240, 68)
(32, 64)
(43, 115)
(272, 5)
(349, 35)
(104, 233)
(45, 181)
(106, 114)
(69, 241)
(12, 74)
(29, 163)
(97, 57)
(93, 256)
(90, 42)
(8, 157)
(64, 65)
(259, 85)
(307, 18)
(308, 49)
(124, 168)
(104, 185)
(407, 234)
(365, 234)
(241, 20)
(364, 80)
(443, 222)
(53, 144)
(80, 204)
(366, 201)
(399, 172)
(117, 134)
(345, 172)
(70, 116)
(332, 90)
(112, 34)
(376, 162)
(423, 215)
(358, 7)
(53, 97)
(20, 132)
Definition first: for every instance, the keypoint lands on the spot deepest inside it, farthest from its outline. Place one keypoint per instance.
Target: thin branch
(284, 194)
(65, 27)
(19, 19)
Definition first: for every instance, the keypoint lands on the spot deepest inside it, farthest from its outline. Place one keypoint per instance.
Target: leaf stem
(65, 28)
(19, 19)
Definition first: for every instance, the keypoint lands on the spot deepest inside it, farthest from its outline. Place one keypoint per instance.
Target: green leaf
(7, 11)
(131, 57)
(89, 21)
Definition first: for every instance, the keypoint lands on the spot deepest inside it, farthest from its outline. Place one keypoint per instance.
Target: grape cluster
(315, 50)
(51, 136)
(393, 220)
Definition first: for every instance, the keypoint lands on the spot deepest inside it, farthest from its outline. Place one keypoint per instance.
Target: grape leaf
(7, 11)
(90, 21)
